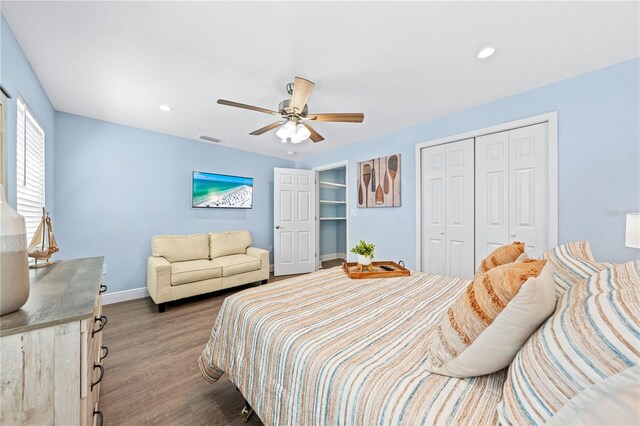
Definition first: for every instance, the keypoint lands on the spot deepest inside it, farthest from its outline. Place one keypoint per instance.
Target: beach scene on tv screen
(212, 190)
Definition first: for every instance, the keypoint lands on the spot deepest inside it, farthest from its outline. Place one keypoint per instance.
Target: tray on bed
(350, 268)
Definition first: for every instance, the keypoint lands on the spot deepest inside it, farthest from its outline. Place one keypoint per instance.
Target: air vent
(210, 139)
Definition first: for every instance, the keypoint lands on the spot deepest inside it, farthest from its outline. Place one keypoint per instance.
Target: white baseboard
(271, 268)
(123, 296)
(331, 256)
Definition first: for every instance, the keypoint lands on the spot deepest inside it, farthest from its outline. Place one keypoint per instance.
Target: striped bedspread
(326, 350)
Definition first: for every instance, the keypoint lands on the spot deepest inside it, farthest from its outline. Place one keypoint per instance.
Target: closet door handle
(103, 321)
(278, 226)
(101, 374)
(513, 235)
(100, 416)
(441, 232)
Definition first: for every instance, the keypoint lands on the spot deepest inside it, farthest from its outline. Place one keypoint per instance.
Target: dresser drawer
(93, 354)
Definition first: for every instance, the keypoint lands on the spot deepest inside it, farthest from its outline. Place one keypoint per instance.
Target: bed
(327, 350)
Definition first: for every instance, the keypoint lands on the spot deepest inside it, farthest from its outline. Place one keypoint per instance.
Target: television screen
(214, 190)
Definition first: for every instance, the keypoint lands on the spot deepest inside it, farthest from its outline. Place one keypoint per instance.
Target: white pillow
(496, 346)
(613, 401)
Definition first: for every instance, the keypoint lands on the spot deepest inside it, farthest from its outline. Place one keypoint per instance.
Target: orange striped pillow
(486, 326)
(501, 256)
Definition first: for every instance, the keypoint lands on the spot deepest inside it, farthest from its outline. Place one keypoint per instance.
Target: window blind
(29, 168)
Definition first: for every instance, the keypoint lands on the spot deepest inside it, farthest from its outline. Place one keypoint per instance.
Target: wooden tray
(398, 271)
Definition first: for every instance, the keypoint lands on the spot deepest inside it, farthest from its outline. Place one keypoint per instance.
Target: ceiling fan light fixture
(302, 131)
(297, 138)
(287, 130)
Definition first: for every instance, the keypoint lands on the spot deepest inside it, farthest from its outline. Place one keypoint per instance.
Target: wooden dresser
(51, 352)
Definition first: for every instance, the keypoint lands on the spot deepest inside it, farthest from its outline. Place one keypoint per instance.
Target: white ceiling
(399, 63)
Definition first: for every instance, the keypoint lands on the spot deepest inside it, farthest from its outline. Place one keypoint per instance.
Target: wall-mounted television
(222, 191)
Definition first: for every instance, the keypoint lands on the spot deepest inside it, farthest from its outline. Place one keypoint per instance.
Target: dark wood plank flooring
(151, 373)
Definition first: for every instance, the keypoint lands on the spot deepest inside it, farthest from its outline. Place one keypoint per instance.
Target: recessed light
(290, 152)
(165, 108)
(486, 52)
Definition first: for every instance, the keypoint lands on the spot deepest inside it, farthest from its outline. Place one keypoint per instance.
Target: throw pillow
(573, 263)
(593, 335)
(486, 326)
(501, 256)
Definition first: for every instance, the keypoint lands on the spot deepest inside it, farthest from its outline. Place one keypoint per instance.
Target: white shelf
(333, 218)
(332, 202)
(332, 185)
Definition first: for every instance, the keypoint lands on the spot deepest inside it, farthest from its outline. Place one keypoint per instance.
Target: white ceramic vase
(14, 263)
(364, 260)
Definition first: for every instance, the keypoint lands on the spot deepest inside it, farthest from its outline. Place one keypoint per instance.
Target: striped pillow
(501, 256)
(573, 263)
(486, 326)
(593, 334)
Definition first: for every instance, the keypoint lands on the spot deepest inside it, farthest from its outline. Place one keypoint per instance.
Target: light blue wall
(17, 76)
(117, 186)
(598, 156)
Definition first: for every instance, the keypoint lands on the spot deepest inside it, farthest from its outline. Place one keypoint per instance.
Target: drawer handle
(101, 374)
(104, 352)
(103, 288)
(99, 414)
(103, 321)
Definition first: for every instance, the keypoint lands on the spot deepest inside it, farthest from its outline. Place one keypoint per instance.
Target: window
(30, 168)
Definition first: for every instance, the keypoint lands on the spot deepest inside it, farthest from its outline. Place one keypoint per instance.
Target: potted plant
(364, 252)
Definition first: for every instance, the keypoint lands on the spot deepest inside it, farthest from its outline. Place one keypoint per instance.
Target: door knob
(441, 232)
(513, 235)
(278, 226)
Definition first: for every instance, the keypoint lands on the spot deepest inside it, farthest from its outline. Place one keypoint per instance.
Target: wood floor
(151, 373)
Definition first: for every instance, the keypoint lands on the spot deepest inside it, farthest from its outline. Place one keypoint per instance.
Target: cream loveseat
(187, 265)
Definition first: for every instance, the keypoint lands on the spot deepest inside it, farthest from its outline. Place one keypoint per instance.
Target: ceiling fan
(294, 114)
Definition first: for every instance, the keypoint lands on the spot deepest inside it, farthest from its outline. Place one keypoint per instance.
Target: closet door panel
(433, 209)
(459, 199)
(492, 193)
(528, 188)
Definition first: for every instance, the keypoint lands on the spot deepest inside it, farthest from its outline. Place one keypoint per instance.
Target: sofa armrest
(159, 279)
(263, 255)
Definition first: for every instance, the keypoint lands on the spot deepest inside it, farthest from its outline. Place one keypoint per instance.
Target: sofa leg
(162, 307)
(263, 282)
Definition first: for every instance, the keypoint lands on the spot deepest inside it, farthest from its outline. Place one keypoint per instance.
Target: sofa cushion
(237, 264)
(226, 243)
(194, 270)
(179, 248)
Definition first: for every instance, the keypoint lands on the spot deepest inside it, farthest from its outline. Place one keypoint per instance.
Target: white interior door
(433, 210)
(294, 213)
(459, 211)
(528, 188)
(492, 193)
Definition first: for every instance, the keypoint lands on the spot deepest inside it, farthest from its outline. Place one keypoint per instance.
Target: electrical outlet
(104, 269)
(270, 249)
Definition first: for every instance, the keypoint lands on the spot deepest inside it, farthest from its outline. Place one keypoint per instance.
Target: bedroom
(117, 169)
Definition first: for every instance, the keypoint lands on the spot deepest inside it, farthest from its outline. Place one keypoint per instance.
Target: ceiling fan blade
(315, 136)
(267, 128)
(301, 91)
(338, 117)
(245, 106)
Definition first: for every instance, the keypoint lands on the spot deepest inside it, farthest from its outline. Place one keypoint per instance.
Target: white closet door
(492, 193)
(433, 210)
(459, 211)
(528, 188)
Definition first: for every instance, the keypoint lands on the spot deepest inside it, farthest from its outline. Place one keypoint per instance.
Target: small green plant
(364, 249)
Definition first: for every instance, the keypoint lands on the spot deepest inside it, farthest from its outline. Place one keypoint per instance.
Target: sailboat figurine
(43, 245)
